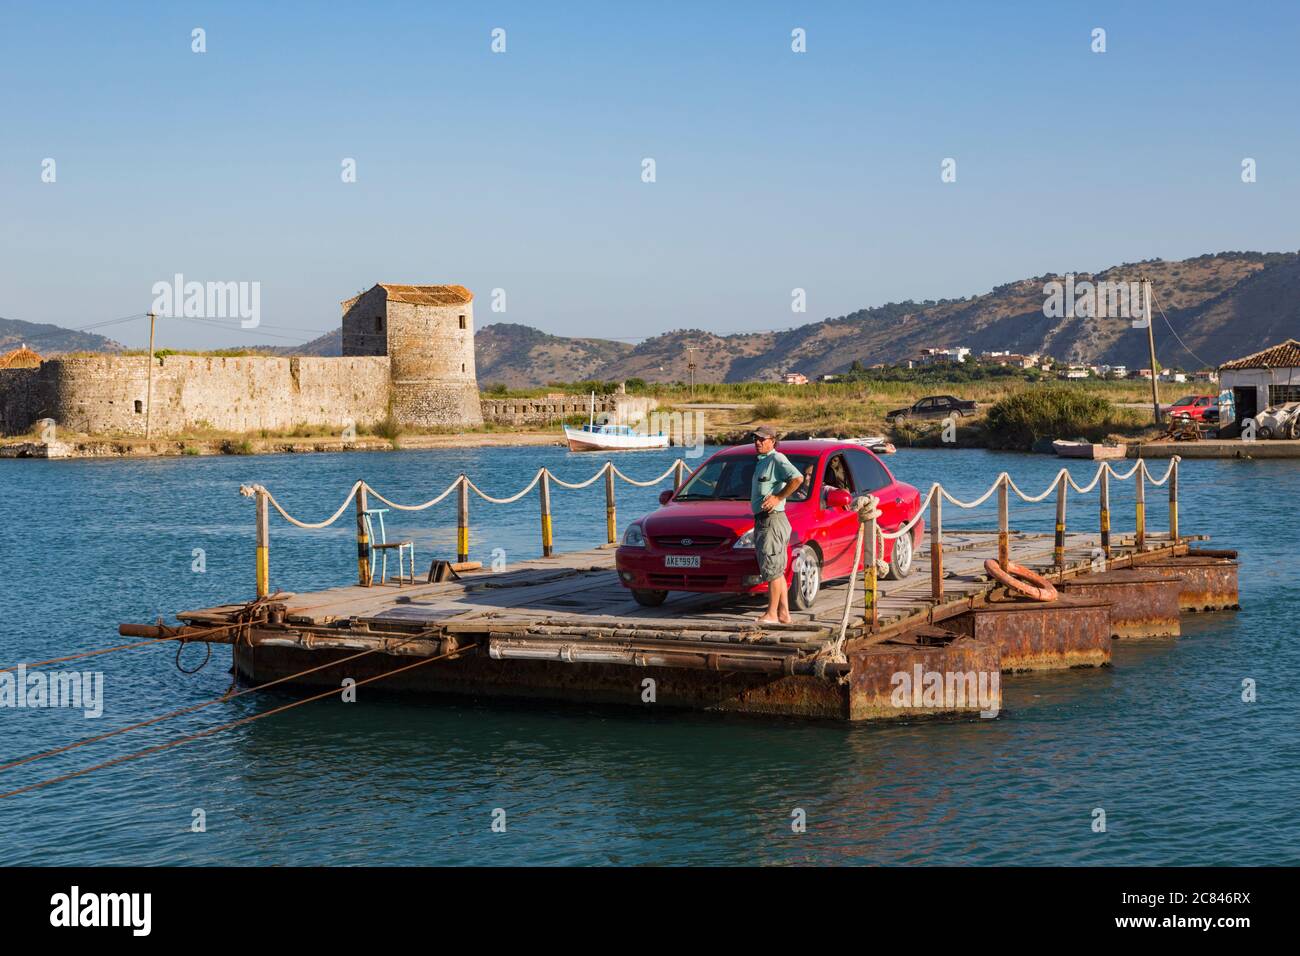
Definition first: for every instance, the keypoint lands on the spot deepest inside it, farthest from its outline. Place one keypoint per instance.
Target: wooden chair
(380, 546)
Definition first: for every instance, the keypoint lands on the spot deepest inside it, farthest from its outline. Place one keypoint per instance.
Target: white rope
(248, 491)
(428, 504)
(978, 501)
(653, 481)
(1173, 462)
(582, 484)
(904, 529)
(505, 501)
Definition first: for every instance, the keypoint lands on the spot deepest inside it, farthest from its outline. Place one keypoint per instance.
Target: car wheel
(1265, 432)
(900, 562)
(649, 598)
(807, 578)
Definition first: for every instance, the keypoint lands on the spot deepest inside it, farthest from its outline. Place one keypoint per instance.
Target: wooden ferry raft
(561, 627)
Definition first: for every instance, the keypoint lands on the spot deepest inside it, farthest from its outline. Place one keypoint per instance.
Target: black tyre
(903, 558)
(807, 580)
(649, 598)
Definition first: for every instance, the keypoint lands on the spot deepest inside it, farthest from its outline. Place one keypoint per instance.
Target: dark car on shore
(933, 406)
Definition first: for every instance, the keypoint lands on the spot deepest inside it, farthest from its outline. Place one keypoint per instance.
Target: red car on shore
(1196, 407)
(702, 538)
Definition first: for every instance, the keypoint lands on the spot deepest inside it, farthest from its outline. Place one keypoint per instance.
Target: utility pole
(1151, 343)
(148, 395)
(690, 366)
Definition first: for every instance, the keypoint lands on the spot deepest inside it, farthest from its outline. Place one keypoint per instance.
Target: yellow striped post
(545, 488)
(869, 585)
(611, 522)
(1059, 550)
(263, 544)
(1105, 512)
(462, 521)
(1173, 502)
(1004, 525)
(363, 540)
(936, 547)
(1140, 532)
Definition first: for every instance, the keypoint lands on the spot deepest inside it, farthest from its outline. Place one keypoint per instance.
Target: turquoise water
(1186, 772)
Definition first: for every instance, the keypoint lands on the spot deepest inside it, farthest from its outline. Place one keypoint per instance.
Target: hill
(51, 339)
(1221, 305)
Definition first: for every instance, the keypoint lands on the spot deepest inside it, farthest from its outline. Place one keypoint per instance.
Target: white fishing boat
(1086, 449)
(606, 437)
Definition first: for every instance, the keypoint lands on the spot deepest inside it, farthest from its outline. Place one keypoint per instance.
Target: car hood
(699, 518)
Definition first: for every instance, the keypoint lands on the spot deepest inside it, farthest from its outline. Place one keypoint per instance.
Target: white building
(1249, 385)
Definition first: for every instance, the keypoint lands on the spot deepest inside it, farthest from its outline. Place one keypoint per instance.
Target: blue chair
(380, 546)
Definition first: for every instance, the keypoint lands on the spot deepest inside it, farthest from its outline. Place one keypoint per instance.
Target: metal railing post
(544, 487)
(1004, 524)
(936, 546)
(1058, 552)
(263, 544)
(1140, 517)
(611, 521)
(869, 583)
(1105, 511)
(363, 540)
(1173, 501)
(462, 521)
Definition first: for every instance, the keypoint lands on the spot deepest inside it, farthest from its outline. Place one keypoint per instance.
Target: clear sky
(522, 170)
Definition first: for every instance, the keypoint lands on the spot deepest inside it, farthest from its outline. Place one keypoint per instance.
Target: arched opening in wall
(462, 366)
(139, 407)
(463, 325)
(379, 324)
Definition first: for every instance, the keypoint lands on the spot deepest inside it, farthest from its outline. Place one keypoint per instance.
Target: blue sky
(522, 170)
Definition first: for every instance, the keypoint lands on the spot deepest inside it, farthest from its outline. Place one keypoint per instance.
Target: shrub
(1035, 415)
(767, 408)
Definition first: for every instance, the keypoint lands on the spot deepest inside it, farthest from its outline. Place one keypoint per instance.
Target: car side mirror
(666, 496)
(839, 499)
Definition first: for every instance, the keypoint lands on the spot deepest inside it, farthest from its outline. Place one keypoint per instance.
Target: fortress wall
(107, 394)
(22, 399)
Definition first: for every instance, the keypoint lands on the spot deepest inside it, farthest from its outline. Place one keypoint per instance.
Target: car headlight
(746, 540)
(633, 537)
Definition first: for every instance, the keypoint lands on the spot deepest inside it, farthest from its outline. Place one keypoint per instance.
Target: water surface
(1186, 772)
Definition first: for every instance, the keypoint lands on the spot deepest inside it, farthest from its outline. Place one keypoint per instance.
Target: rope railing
(361, 491)
(932, 505)
(871, 535)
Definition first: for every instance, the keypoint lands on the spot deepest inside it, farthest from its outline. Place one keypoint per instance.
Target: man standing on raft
(775, 479)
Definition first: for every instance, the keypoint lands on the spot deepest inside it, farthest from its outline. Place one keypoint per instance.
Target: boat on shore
(1086, 449)
(876, 443)
(596, 436)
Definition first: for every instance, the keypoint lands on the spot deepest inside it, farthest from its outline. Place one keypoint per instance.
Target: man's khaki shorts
(771, 544)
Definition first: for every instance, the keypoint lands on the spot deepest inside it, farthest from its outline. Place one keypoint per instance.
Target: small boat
(877, 443)
(604, 437)
(1079, 448)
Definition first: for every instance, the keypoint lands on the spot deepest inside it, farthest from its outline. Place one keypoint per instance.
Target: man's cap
(764, 431)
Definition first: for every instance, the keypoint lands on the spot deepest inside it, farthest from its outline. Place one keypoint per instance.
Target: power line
(1204, 364)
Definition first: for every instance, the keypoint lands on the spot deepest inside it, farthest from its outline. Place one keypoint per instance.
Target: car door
(924, 408)
(837, 530)
(869, 474)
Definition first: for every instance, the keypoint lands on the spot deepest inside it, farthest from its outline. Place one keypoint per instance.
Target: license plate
(681, 560)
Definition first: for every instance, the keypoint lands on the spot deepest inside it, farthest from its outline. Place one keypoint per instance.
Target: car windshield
(729, 478)
(1187, 400)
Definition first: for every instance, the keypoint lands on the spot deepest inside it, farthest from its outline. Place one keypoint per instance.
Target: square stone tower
(427, 332)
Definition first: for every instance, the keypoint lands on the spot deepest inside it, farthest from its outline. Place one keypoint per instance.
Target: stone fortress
(407, 350)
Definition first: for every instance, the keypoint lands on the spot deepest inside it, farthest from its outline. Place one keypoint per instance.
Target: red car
(702, 539)
(1195, 407)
